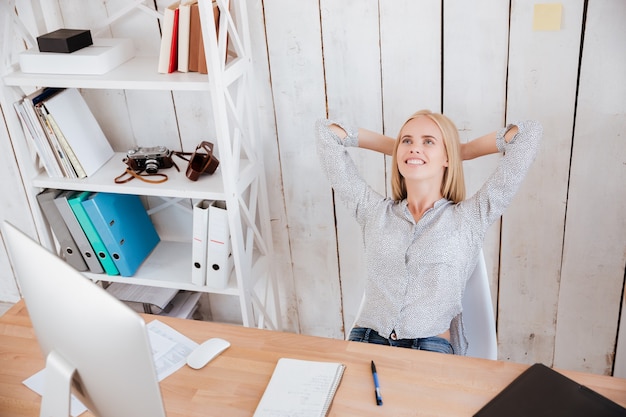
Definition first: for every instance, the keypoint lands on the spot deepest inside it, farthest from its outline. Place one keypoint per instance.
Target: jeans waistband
(433, 343)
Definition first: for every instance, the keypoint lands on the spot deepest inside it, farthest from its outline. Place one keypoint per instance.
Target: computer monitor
(95, 346)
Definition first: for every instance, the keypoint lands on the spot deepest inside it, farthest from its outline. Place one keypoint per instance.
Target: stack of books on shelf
(64, 132)
(154, 300)
(182, 46)
(100, 232)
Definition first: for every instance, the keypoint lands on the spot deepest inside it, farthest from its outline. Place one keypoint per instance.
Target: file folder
(541, 391)
(69, 249)
(98, 246)
(77, 232)
(124, 227)
(200, 217)
(219, 256)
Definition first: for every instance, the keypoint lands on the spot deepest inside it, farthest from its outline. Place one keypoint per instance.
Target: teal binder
(124, 227)
(98, 246)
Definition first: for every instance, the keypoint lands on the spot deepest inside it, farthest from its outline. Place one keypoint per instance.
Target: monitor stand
(57, 390)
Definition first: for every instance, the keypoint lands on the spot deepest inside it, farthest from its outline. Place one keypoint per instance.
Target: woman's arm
(376, 142)
(484, 145)
(332, 142)
(518, 143)
(369, 140)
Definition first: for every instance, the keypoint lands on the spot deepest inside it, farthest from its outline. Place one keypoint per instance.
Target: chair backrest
(478, 317)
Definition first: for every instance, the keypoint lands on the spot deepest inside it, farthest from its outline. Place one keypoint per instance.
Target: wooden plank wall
(543, 67)
(556, 260)
(483, 65)
(592, 277)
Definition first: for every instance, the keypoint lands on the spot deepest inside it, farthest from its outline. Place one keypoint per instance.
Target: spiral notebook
(300, 387)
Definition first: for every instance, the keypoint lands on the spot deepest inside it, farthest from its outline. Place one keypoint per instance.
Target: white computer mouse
(204, 353)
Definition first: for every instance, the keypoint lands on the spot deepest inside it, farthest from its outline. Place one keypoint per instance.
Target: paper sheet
(547, 17)
(170, 349)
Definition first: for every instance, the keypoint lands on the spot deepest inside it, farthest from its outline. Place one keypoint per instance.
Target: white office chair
(478, 319)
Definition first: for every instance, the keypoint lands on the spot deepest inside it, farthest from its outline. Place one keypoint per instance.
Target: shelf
(168, 266)
(239, 180)
(139, 73)
(210, 187)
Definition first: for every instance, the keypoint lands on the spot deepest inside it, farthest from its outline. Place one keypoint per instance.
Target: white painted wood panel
(283, 267)
(592, 278)
(353, 89)
(295, 58)
(474, 92)
(542, 86)
(410, 59)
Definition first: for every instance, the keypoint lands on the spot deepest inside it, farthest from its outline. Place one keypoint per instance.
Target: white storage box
(99, 58)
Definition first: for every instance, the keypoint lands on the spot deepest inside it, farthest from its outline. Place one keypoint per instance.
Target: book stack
(100, 232)
(182, 46)
(58, 123)
(154, 300)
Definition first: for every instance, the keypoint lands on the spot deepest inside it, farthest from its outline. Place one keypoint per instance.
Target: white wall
(556, 259)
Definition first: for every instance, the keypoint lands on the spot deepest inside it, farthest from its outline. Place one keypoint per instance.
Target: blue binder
(92, 234)
(124, 227)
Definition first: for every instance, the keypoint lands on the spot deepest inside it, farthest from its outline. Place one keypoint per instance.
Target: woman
(421, 245)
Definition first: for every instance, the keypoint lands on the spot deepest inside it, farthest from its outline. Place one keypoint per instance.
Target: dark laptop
(541, 391)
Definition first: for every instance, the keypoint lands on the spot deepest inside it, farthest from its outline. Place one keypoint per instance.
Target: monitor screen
(92, 342)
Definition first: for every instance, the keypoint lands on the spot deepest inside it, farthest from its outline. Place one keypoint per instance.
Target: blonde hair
(453, 183)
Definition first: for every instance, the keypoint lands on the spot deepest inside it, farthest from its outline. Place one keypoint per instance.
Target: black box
(64, 40)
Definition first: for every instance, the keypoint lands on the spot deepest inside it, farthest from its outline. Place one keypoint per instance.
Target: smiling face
(428, 148)
(421, 152)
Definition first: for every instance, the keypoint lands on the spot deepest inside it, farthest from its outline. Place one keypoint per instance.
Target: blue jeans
(431, 344)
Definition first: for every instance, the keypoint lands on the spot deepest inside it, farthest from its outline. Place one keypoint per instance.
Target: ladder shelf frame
(229, 83)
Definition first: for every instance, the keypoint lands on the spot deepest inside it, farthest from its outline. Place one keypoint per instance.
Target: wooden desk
(413, 383)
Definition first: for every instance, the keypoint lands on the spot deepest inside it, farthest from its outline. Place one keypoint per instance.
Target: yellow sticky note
(547, 16)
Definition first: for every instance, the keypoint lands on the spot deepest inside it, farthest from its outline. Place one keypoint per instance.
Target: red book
(167, 28)
(173, 65)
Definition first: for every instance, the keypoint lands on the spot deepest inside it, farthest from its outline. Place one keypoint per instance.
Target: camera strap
(130, 174)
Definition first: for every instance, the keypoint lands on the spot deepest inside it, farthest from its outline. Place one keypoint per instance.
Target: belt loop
(415, 344)
(366, 336)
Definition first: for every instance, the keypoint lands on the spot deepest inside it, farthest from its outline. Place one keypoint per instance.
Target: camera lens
(152, 166)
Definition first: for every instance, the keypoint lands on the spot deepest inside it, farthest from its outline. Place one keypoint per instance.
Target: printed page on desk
(300, 388)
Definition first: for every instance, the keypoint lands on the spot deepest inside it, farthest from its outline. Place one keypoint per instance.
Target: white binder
(219, 257)
(199, 242)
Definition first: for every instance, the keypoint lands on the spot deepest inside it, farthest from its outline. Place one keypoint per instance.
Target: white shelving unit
(240, 180)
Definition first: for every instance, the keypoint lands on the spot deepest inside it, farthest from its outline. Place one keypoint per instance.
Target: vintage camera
(149, 159)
